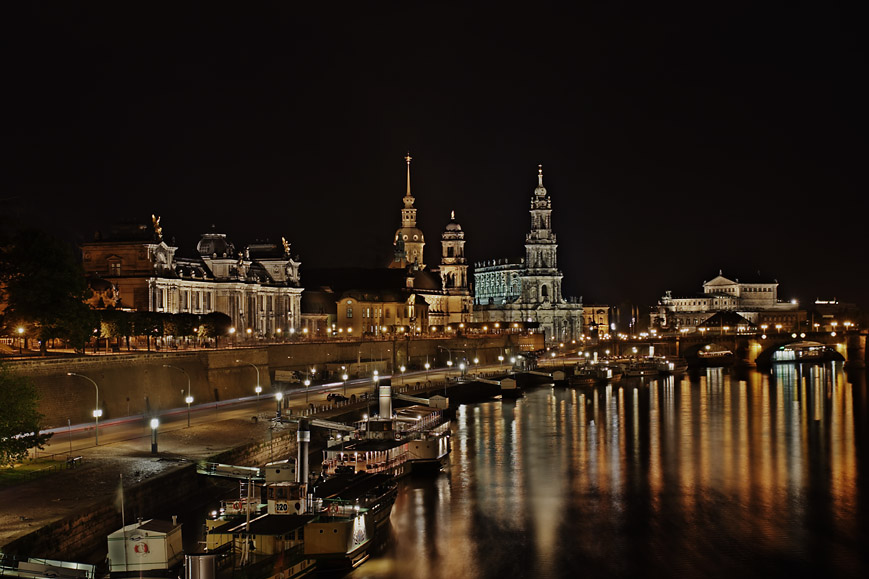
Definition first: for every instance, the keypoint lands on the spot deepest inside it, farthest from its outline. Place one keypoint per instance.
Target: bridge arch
(798, 351)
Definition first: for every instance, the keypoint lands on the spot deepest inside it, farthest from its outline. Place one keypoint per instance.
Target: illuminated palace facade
(753, 298)
(257, 286)
(529, 289)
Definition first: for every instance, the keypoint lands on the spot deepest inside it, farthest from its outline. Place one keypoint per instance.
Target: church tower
(542, 280)
(454, 273)
(454, 266)
(408, 234)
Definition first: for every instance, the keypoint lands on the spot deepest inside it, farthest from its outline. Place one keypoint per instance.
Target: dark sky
(676, 140)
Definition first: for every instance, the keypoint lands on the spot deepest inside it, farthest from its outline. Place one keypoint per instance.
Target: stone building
(529, 289)
(754, 298)
(257, 286)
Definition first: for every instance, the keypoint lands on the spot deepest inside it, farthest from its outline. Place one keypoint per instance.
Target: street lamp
(344, 377)
(20, 340)
(307, 383)
(97, 412)
(155, 422)
(450, 366)
(188, 399)
(257, 375)
(258, 390)
(278, 397)
(500, 361)
(427, 366)
(402, 374)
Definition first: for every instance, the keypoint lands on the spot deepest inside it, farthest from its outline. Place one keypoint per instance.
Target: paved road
(75, 438)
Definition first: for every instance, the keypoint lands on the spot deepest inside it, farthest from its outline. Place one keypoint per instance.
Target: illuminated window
(349, 312)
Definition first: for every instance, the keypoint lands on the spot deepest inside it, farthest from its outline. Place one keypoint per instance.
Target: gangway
(487, 381)
(252, 473)
(414, 399)
(329, 425)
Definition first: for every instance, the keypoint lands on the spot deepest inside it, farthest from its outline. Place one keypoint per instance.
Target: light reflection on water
(720, 475)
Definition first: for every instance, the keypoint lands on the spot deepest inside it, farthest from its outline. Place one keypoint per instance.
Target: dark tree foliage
(44, 287)
(215, 325)
(180, 325)
(19, 418)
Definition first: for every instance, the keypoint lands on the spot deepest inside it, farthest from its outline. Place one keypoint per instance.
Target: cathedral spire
(408, 158)
(540, 175)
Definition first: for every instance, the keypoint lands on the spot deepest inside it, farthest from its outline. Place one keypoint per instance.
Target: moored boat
(414, 439)
(594, 374)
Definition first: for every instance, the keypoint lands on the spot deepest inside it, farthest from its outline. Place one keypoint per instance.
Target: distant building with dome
(409, 242)
(529, 289)
(258, 286)
(405, 295)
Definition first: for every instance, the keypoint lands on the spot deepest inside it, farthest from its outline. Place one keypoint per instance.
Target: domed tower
(408, 234)
(454, 274)
(454, 266)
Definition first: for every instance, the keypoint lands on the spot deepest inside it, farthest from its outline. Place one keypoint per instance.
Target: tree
(116, 324)
(215, 325)
(19, 418)
(45, 288)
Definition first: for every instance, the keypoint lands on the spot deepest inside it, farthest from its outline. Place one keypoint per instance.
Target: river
(714, 475)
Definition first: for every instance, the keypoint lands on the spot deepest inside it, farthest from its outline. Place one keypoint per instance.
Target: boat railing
(264, 566)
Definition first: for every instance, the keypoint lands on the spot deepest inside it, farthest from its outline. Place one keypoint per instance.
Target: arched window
(544, 292)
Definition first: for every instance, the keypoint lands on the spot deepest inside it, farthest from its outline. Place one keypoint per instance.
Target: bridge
(747, 348)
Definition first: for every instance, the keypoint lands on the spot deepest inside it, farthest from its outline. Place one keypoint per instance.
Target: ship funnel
(385, 397)
(303, 437)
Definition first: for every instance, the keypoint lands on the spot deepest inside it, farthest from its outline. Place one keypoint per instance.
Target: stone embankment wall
(134, 384)
(75, 537)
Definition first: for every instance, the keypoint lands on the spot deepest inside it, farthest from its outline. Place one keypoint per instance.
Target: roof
(744, 277)
(343, 279)
(350, 487)
(319, 302)
(725, 319)
(369, 445)
(158, 526)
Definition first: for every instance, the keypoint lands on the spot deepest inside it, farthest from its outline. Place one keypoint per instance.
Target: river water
(713, 475)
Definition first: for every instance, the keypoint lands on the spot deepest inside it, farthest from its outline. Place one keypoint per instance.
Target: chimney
(303, 436)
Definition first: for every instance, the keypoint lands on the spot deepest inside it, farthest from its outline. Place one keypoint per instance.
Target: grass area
(28, 471)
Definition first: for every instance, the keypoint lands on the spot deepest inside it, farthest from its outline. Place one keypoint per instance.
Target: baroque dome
(215, 244)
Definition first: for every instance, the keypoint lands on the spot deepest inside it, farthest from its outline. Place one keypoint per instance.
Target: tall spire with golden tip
(408, 158)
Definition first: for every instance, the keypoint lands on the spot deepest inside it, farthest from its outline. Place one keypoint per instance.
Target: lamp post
(257, 377)
(500, 362)
(427, 366)
(449, 366)
(188, 399)
(97, 412)
(403, 368)
(307, 383)
(278, 397)
(344, 377)
(20, 340)
(155, 422)
(258, 390)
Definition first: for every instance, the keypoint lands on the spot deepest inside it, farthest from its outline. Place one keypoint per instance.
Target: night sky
(676, 140)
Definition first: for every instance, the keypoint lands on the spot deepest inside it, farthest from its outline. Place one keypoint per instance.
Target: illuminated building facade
(257, 287)
(756, 300)
(529, 290)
